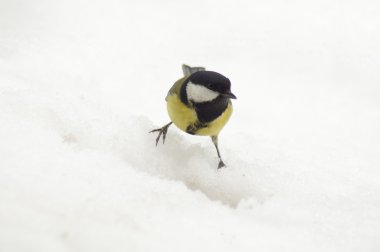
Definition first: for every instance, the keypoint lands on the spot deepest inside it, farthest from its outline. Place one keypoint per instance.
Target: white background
(82, 82)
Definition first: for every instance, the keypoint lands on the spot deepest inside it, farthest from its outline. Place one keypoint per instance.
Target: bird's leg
(194, 127)
(215, 141)
(162, 131)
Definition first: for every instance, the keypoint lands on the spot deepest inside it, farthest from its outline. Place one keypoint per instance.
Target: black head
(213, 81)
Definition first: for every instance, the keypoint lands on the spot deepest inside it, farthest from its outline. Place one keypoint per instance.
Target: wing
(175, 89)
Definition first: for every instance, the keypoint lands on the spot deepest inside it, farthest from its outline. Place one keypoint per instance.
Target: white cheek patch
(199, 94)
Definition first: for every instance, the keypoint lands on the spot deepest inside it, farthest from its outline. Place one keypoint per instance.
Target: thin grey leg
(215, 141)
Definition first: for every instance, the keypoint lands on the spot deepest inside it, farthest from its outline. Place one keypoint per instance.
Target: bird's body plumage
(209, 116)
(199, 104)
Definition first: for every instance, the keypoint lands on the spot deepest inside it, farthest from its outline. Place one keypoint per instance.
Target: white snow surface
(83, 82)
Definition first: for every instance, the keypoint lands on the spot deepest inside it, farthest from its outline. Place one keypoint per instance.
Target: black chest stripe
(209, 111)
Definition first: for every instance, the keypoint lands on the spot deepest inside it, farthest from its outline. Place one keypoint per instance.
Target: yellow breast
(182, 116)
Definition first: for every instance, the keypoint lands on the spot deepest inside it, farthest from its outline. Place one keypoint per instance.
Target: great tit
(199, 104)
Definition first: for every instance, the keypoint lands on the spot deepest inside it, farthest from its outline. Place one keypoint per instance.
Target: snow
(83, 82)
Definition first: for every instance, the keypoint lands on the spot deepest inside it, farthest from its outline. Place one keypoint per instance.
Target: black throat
(209, 111)
(206, 111)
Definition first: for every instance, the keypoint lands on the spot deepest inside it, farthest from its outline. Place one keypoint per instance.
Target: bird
(199, 104)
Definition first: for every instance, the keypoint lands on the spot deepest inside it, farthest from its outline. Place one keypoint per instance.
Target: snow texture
(82, 82)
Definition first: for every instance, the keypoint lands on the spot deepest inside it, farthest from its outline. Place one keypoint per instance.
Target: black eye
(210, 85)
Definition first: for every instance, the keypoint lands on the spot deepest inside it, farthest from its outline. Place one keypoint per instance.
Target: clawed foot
(162, 131)
(221, 164)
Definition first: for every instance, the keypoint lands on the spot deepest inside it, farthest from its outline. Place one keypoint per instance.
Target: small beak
(229, 95)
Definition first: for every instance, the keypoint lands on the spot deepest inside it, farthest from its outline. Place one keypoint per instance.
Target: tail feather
(188, 70)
